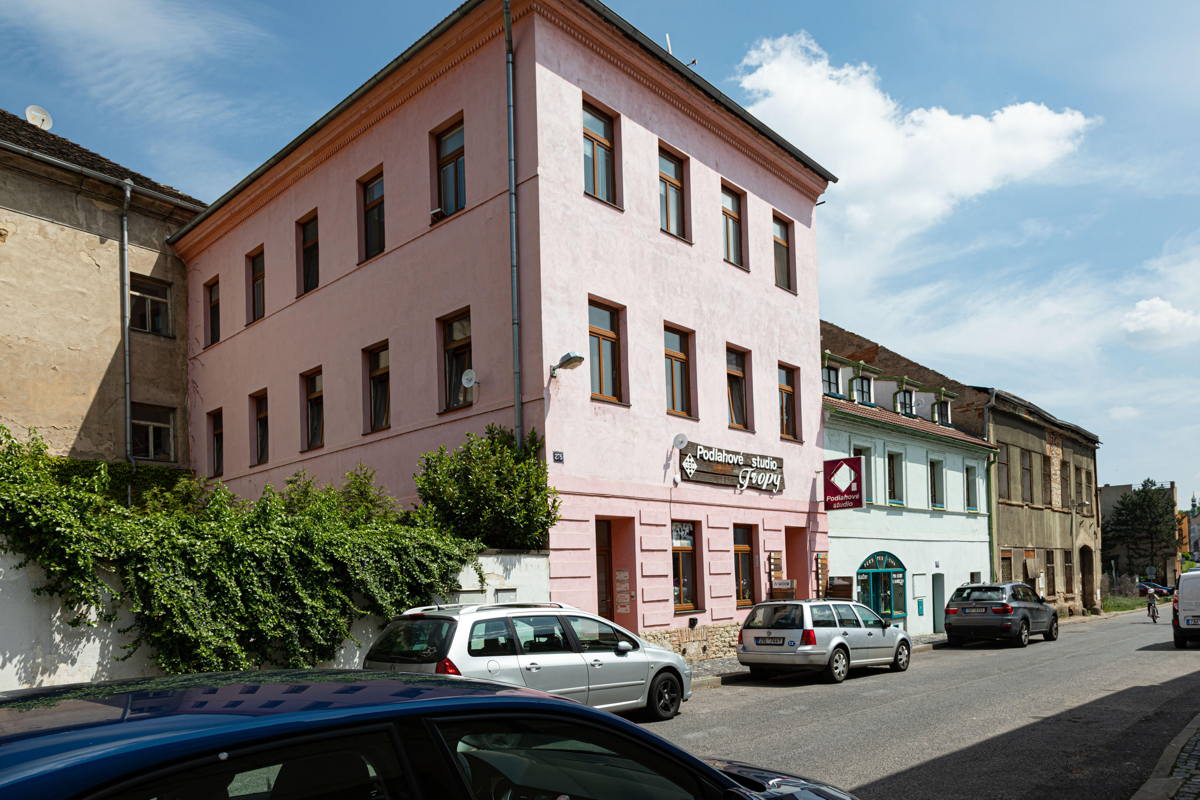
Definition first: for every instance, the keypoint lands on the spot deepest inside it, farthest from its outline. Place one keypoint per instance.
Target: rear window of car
(967, 594)
(776, 616)
(414, 641)
(822, 617)
(490, 637)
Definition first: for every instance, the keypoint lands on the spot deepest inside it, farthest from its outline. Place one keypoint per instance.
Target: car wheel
(1051, 632)
(1180, 642)
(759, 673)
(1022, 638)
(665, 696)
(903, 653)
(838, 666)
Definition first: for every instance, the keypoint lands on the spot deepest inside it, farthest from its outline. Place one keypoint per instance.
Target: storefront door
(882, 586)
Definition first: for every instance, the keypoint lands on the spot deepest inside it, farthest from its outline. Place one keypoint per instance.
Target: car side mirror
(1041, 599)
(624, 647)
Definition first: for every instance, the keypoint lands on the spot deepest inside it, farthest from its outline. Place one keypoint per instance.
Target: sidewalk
(1176, 776)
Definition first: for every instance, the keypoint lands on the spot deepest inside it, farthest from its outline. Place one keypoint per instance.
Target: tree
(492, 489)
(1140, 530)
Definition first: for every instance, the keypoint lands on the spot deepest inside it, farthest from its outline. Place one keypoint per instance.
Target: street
(1086, 716)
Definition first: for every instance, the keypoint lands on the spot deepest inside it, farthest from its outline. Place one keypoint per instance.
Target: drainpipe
(518, 421)
(987, 434)
(125, 314)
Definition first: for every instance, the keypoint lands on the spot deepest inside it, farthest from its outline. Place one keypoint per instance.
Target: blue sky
(1019, 197)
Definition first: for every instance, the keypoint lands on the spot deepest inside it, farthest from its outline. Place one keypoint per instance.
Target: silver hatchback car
(548, 646)
(830, 635)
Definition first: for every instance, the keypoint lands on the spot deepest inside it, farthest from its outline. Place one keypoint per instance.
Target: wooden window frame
(731, 376)
(613, 336)
(141, 295)
(1064, 481)
(373, 375)
(596, 141)
(212, 320)
(1006, 555)
(1089, 493)
(789, 427)
(450, 349)
(304, 247)
(680, 184)
(451, 159)
(256, 285)
(789, 264)
(676, 567)
(313, 394)
(1051, 584)
(260, 428)
(682, 394)
(741, 551)
(1003, 478)
(1047, 482)
(1069, 572)
(1079, 496)
(1026, 475)
(734, 219)
(216, 443)
(367, 206)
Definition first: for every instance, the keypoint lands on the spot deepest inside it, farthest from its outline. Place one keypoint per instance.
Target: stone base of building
(699, 643)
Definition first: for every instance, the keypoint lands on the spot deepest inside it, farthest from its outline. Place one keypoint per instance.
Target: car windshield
(414, 641)
(965, 594)
(779, 616)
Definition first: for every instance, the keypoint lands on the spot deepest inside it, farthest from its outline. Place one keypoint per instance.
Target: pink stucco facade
(618, 463)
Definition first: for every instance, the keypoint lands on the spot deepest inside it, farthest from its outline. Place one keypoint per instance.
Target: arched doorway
(1087, 576)
(882, 585)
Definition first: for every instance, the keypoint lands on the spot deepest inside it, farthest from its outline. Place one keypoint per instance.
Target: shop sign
(700, 463)
(844, 483)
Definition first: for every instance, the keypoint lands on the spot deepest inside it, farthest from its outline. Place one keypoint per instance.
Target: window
(1006, 565)
(1051, 588)
(822, 617)
(605, 337)
(743, 564)
(372, 217)
(491, 637)
(860, 389)
(599, 179)
(213, 321)
(262, 448)
(869, 618)
(787, 402)
(735, 380)
(1069, 571)
(937, 493)
(314, 410)
(904, 402)
(310, 256)
(670, 193)
(972, 488)
(1047, 481)
(1002, 472)
(675, 349)
(149, 306)
(783, 254)
(256, 276)
(941, 412)
(216, 443)
(1089, 492)
(868, 485)
(452, 171)
(596, 636)
(1064, 478)
(604, 570)
(153, 432)
(731, 220)
(1079, 495)
(1026, 476)
(456, 359)
(683, 557)
(378, 388)
(541, 634)
(830, 380)
(846, 616)
(895, 478)
(976, 577)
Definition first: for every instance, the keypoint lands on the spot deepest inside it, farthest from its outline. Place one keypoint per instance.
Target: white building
(923, 527)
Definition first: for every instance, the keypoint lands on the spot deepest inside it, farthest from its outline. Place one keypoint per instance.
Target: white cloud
(902, 170)
(1120, 413)
(1158, 323)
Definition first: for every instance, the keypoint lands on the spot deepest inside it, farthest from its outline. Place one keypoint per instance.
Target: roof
(15, 130)
(606, 14)
(1041, 412)
(856, 347)
(918, 425)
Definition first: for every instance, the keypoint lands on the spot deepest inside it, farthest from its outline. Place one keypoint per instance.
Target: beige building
(68, 371)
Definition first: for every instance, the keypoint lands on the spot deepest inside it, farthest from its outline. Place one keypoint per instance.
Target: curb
(1161, 785)
(716, 681)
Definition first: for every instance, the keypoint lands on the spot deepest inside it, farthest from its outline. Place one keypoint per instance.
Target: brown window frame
(368, 206)
(677, 571)
(1089, 493)
(312, 385)
(1051, 584)
(150, 294)
(457, 159)
(212, 320)
(666, 183)
(679, 398)
(310, 255)
(743, 571)
(216, 443)
(450, 350)
(260, 428)
(1003, 480)
(601, 335)
(1079, 495)
(789, 427)
(1069, 571)
(1064, 481)
(789, 273)
(1006, 555)
(732, 220)
(378, 374)
(256, 285)
(1047, 482)
(732, 376)
(1026, 475)
(595, 141)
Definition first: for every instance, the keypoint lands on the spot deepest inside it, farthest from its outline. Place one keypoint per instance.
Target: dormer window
(831, 380)
(904, 402)
(941, 412)
(861, 389)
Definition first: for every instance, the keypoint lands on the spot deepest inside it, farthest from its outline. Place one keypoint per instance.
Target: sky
(1019, 197)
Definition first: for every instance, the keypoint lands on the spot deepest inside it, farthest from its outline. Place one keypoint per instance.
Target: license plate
(974, 610)
(768, 640)
(1193, 621)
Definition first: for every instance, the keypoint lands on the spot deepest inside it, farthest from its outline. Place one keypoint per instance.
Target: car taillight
(447, 667)
(1003, 608)
(1175, 602)
(952, 611)
(808, 636)
(739, 636)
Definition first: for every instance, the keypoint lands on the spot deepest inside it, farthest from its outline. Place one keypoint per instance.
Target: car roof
(122, 727)
(464, 609)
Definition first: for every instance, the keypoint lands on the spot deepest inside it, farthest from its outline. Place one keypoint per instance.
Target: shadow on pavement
(1104, 749)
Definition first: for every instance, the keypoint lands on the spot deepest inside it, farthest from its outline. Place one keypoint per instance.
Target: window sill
(372, 258)
(314, 447)
(687, 612)
(739, 266)
(453, 409)
(937, 507)
(210, 344)
(676, 237)
(609, 401)
(433, 223)
(682, 415)
(153, 333)
(895, 503)
(788, 290)
(741, 428)
(254, 321)
(783, 437)
(377, 430)
(604, 202)
(307, 291)
(971, 510)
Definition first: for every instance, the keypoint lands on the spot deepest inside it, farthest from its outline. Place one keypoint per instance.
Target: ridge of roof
(1021, 401)
(603, 11)
(17, 131)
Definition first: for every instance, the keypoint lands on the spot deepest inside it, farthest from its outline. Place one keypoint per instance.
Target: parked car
(547, 646)
(1185, 609)
(1009, 610)
(346, 735)
(830, 635)
(1144, 588)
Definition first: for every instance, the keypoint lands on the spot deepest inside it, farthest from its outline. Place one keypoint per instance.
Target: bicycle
(1152, 609)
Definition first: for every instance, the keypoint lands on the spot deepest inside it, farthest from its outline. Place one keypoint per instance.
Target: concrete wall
(60, 311)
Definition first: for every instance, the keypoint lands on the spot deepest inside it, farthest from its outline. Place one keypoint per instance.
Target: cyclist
(1152, 605)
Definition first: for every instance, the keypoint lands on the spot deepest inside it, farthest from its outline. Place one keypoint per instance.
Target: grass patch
(1117, 602)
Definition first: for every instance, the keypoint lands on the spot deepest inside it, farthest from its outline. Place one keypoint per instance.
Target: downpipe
(125, 318)
(518, 411)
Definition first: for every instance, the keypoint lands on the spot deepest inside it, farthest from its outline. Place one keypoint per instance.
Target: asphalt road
(1086, 716)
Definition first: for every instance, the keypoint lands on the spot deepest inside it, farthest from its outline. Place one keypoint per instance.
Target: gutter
(987, 434)
(515, 275)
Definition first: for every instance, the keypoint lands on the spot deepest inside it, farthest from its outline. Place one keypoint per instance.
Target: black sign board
(703, 464)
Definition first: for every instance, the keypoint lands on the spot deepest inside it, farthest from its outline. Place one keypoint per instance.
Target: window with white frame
(972, 487)
(937, 483)
(895, 478)
(868, 486)
(831, 380)
(860, 389)
(153, 432)
(904, 401)
(941, 412)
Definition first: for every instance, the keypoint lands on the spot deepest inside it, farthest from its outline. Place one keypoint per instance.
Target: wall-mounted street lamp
(569, 360)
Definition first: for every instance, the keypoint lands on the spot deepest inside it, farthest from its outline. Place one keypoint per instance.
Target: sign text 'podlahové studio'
(704, 464)
(844, 483)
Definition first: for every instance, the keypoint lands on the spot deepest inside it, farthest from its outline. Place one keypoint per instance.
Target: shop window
(882, 585)
(683, 556)
(743, 564)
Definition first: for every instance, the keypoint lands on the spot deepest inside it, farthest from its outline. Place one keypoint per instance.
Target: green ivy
(215, 583)
(125, 481)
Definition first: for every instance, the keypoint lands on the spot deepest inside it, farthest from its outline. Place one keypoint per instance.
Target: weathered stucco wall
(60, 311)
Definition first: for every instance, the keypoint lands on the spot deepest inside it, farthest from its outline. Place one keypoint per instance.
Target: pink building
(332, 313)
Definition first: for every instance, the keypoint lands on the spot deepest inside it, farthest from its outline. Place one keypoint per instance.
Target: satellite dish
(469, 379)
(36, 115)
(680, 441)
(918, 403)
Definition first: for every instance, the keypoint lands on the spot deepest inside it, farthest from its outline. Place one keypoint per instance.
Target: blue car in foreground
(347, 735)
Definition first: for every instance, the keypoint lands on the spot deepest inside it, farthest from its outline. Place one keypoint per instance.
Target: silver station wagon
(833, 636)
(548, 646)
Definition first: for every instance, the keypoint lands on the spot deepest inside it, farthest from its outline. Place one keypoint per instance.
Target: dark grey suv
(1009, 610)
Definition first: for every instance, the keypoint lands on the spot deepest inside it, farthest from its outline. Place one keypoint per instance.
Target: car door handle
(869, 633)
(533, 667)
(597, 663)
